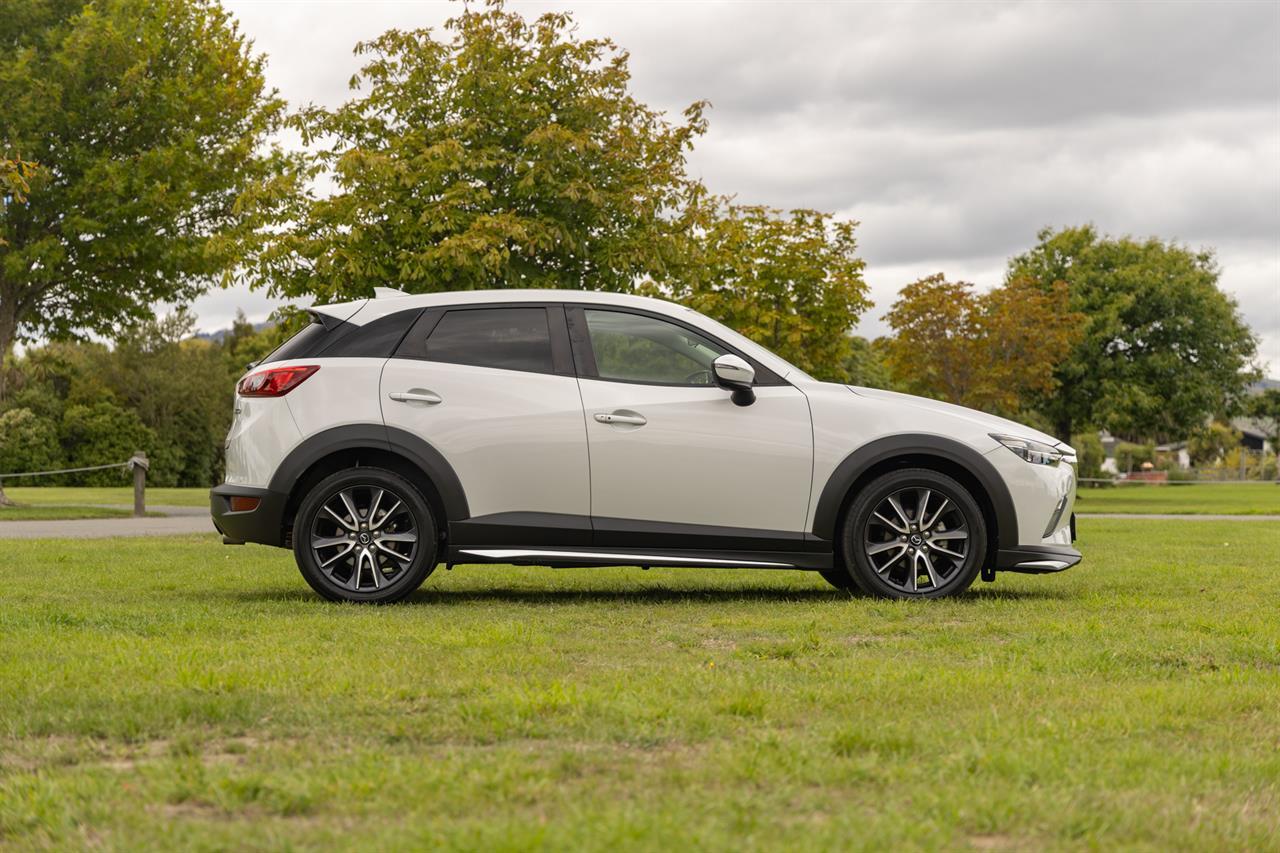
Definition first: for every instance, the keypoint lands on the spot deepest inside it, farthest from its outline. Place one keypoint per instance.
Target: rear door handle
(431, 398)
(621, 418)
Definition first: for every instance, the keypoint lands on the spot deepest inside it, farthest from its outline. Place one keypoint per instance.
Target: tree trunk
(1063, 428)
(4, 499)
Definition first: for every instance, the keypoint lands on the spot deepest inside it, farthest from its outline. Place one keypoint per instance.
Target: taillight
(275, 381)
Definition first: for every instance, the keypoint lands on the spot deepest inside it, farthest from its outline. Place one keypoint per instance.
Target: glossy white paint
(343, 391)
(262, 433)
(1036, 491)
(516, 440)
(699, 459)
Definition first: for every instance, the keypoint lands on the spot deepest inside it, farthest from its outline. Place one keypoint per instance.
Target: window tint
(305, 344)
(636, 348)
(509, 338)
(372, 340)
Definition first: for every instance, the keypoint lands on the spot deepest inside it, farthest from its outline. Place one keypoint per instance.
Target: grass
(1215, 499)
(103, 495)
(62, 512)
(176, 693)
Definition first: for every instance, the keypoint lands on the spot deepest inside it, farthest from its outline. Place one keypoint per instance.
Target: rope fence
(137, 463)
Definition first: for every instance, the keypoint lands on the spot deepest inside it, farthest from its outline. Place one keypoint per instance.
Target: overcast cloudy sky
(952, 132)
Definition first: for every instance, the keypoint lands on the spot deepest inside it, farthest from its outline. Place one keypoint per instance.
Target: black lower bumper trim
(263, 525)
(1037, 559)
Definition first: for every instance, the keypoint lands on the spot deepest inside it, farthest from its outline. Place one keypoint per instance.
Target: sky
(953, 132)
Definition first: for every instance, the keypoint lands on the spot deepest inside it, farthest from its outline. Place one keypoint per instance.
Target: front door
(670, 452)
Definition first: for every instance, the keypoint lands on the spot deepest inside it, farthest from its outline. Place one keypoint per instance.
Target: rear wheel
(365, 535)
(914, 533)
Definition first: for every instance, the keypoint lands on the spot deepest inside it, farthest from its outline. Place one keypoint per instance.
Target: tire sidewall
(424, 562)
(870, 497)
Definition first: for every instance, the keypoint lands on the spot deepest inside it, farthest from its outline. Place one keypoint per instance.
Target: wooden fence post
(139, 465)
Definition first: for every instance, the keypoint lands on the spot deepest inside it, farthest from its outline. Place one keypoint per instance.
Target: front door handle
(431, 398)
(631, 418)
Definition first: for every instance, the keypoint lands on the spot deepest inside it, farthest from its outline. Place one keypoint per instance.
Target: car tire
(365, 535)
(914, 533)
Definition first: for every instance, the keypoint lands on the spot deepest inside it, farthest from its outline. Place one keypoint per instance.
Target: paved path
(179, 520)
(1169, 516)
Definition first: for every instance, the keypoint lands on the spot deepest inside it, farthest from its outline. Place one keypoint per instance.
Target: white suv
(564, 428)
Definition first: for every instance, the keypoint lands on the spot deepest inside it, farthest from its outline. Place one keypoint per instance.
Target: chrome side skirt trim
(621, 558)
(1049, 565)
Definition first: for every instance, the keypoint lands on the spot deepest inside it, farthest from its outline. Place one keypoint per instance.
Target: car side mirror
(733, 373)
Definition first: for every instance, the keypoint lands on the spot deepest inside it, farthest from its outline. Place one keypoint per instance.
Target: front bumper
(264, 524)
(1037, 559)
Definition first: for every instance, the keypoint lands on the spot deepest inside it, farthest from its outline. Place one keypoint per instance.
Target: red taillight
(275, 381)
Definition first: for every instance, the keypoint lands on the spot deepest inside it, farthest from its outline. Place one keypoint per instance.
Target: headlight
(1035, 452)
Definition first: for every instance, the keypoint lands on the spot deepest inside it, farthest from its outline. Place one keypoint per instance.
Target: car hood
(982, 419)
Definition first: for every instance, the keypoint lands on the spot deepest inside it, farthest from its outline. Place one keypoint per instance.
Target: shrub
(28, 442)
(100, 435)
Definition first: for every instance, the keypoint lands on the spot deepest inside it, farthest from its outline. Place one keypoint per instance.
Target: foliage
(1090, 454)
(1265, 409)
(1131, 456)
(992, 351)
(507, 154)
(790, 281)
(100, 434)
(27, 443)
(1163, 348)
(1209, 444)
(865, 365)
(158, 390)
(151, 123)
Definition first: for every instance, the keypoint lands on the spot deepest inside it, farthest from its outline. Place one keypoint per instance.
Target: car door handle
(621, 418)
(429, 397)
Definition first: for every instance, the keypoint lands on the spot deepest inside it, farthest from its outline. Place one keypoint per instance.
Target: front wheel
(914, 533)
(365, 535)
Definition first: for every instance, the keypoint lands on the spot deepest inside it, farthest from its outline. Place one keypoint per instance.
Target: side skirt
(570, 556)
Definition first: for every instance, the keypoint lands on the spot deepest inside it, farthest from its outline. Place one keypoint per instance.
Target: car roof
(389, 302)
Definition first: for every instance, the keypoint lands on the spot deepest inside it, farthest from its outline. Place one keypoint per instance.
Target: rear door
(491, 387)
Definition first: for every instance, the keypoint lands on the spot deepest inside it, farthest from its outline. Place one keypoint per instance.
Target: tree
(507, 154)
(150, 121)
(866, 366)
(1163, 348)
(994, 351)
(1209, 444)
(790, 281)
(1265, 409)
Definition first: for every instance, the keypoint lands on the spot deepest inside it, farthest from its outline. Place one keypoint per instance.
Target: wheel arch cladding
(372, 445)
(937, 453)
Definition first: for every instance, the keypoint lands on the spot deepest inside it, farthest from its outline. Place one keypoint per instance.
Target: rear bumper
(1037, 559)
(263, 524)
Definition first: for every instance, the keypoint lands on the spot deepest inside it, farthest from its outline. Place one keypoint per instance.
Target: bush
(1130, 457)
(28, 443)
(100, 435)
(1090, 453)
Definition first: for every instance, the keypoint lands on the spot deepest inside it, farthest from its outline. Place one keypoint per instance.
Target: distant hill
(218, 335)
(1264, 385)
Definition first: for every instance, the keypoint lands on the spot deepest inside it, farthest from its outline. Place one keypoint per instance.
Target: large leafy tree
(1163, 348)
(994, 351)
(791, 281)
(149, 121)
(498, 153)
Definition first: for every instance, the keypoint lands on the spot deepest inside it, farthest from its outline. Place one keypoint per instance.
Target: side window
(508, 338)
(635, 348)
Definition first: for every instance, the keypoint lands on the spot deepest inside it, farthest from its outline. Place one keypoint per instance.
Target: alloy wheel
(364, 538)
(917, 540)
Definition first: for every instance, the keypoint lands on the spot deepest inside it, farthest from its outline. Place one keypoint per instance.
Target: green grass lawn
(1225, 499)
(103, 495)
(177, 693)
